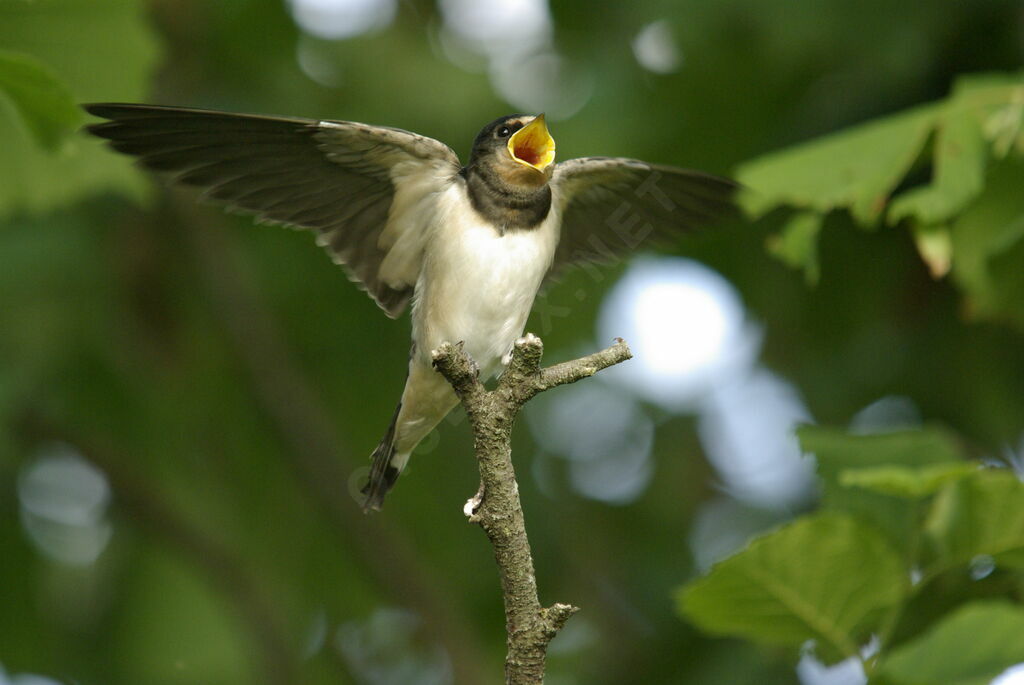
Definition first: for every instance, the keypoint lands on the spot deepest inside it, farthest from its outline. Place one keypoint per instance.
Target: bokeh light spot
(1014, 675)
(746, 427)
(695, 352)
(811, 671)
(64, 503)
(25, 679)
(685, 325)
(543, 82)
(339, 19)
(655, 48)
(391, 647)
(605, 436)
(500, 29)
(890, 413)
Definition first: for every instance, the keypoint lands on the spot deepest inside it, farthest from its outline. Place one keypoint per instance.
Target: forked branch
(496, 506)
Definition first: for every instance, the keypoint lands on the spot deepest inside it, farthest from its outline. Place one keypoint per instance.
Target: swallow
(470, 246)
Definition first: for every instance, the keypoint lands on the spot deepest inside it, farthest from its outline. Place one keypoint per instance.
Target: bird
(470, 246)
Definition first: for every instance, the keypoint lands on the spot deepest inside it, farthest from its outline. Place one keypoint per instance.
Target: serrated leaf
(41, 99)
(822, 578)
(855, 169)
(101, 50)
(970, 647)
(904, 481)
(978, 516)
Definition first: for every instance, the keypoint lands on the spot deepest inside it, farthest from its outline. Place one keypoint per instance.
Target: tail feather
(384, 469)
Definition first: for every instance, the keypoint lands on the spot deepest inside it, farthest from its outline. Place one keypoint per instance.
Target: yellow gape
(533, 145)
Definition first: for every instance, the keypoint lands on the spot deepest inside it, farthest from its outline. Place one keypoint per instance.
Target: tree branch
(496, 506)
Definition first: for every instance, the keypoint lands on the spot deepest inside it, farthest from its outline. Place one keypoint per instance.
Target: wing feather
(611, 206)
(333, 177)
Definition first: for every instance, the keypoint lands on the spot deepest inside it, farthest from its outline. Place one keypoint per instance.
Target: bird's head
(518, 148)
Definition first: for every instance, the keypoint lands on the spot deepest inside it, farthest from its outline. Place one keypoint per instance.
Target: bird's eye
(504, 132)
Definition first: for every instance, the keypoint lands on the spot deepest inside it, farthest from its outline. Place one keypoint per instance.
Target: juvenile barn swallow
(470, 245)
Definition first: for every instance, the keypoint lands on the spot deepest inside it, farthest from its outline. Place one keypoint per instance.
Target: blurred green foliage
(45, 105)
(993, 631)
(229, 382)
(56, 55)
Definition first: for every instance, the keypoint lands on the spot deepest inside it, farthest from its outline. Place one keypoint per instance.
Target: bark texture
(496, 506)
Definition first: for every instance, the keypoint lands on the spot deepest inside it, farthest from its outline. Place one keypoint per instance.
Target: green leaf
(970, 647)
(858, 169)
(959, 169)
(960, 157)
(978, 516)
(43, 101)
(982, 237)
(855, 169)
(822, 578)
(101, 50)
(1001, 99)
(903, 481)
(837, 449)
(839, 452)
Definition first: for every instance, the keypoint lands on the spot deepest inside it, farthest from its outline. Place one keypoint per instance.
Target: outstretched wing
(337, 178)
(611, 205)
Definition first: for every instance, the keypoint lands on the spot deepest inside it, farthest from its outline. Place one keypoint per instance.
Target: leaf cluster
(949, 172)
(914, 554)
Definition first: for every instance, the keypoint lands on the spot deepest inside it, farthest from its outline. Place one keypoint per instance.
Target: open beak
(532, 145)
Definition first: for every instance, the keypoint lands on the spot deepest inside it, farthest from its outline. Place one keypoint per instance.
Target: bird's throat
(506, 205)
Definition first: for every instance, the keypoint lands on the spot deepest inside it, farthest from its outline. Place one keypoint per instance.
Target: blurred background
(188, 401)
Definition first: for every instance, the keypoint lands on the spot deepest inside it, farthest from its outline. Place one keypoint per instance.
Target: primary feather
(337, 178)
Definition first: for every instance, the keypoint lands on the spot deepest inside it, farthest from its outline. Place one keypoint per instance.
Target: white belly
(477, 285)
